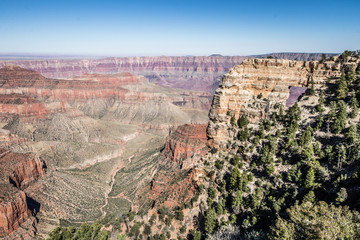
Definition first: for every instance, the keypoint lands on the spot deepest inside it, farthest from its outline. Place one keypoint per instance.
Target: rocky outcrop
(186, 144)
(20, 169)
(14, 211)
(176, 180)
(253, 87)
(17, 172)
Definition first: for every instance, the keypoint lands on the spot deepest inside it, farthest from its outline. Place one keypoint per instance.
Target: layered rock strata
(27, 94)
(17, 172)
(176, 181)
(197, 73)
(14, 211)
(186, 144)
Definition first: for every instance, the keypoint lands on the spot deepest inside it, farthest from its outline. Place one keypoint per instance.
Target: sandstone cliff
(186, 144)
(17, 172)
(254, 86)
(13, 212)
(175, 181)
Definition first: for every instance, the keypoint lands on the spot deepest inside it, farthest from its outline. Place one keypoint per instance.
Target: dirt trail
(107, 192)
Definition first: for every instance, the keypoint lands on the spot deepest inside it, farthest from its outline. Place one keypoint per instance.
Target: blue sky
(172, 27)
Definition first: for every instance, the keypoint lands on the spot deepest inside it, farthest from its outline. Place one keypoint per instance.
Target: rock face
(17, 172)
(13, 213)
(175, 182)
(186, 144)
(243, 89)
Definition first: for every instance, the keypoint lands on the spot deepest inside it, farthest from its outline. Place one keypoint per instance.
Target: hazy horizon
(177, 28)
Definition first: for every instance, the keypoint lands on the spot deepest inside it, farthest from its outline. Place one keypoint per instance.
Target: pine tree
(312, 88)
(310, 178)
(305, 138)
(354, 106)
(243, 134)
(341, 159)
(210, 221)
(310, 197)
(350, 75)
(294, 113)
(237, 201)
(234, 178)
(342, 87)
(351, 135)
(319, 121)
(340, 117)
(281, 113)
(320, 107)
(308, 154)
(243, 121)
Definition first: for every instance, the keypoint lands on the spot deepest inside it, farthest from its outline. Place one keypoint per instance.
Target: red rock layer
(23, 106)
(174, 185)
(13, 213)
(14, 79)
(21, 169)
(17, 171)
(186, 144)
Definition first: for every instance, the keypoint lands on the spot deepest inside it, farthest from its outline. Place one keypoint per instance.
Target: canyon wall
(175, 182)
(196, 73)
(17, 172)
(186, 144)
(201, 73)
(122, 96)
(253, 87)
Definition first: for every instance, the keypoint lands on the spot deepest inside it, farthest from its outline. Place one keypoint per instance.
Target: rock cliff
(175, 182)
(13, 213)
(186, 144)
(254, 86)
(17, 172)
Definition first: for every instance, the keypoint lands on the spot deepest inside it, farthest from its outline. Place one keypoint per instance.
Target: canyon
(201, 73)
(91, 131)
(92, 137)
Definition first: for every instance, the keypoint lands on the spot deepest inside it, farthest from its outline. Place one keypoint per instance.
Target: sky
(175, 28)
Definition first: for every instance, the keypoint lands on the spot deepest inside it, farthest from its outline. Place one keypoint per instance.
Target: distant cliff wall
(195, 73)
